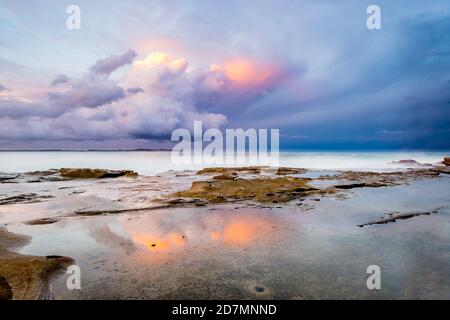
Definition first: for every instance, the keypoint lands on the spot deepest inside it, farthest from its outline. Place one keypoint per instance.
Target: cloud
(167, 99)
(161, 96)
(321, 74)
(63, 95)
(134, 90)
(94, 89)
(245, 81)
(89, 92)
(60, 79)
(3, 88)
(16, 109)
(107, 66)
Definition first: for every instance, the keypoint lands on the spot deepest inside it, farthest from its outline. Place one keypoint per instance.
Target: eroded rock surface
(223, 170)
(24, 198)
(237, 184)
(42, 221)
(25, 277)
(8, 176)
(442, 169)
(406, 161)
(446, 161)
(380, 179)
(264, 190)
(64, 174)
(86, 173)
(5, 290)
(393, 217)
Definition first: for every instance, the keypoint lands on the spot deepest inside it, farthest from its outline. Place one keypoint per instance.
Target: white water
(151, 163)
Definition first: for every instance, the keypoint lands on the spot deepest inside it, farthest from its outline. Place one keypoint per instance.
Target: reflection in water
(103, 234)
(241, 231)
(160, 233)
(222, 253)
(160, 243)
(201, 253)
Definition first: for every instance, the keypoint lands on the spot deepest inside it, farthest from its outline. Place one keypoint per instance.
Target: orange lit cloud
(246, 72)
(159, 43)
(162, 59)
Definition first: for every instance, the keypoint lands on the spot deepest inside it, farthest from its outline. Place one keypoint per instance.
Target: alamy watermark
(73, 21)
(74, 279)
(374, 280)
(237, 147)
(374, 19)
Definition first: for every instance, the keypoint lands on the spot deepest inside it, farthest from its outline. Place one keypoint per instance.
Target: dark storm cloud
(392, 80)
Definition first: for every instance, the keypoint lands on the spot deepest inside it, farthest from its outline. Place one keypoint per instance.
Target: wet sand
(309, 247)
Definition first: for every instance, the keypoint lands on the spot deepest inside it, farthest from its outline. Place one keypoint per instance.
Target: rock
(26, 277)
(285, 170)
(406, 161)
(255, 170)
(226, 176)
(252, 170)
(411, 162)
(402, 216)
(8, 176)
(114, 211)
(361, 185)
(44, 176)
(183, 201)
(350, 186)
(42, 173)
(263, 190)
(259, 289)
(229, 186)
(442, 169)
(86, 173)
(24, 198)
(379, 179)
(5, 290)
(41, 221)
(446, 161)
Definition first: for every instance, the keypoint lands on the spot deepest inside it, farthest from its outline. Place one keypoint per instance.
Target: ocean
(155, 162)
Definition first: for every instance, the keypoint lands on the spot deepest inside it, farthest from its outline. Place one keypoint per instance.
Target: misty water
(151, 163)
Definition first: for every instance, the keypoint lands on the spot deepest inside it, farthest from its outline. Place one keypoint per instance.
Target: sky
(137, 70)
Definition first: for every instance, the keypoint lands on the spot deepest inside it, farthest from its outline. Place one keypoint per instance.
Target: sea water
(155, 162)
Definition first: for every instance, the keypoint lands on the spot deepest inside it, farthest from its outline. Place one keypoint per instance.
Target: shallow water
(312, 251)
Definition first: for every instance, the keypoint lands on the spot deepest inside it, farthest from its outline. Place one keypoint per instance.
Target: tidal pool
(310, 251)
